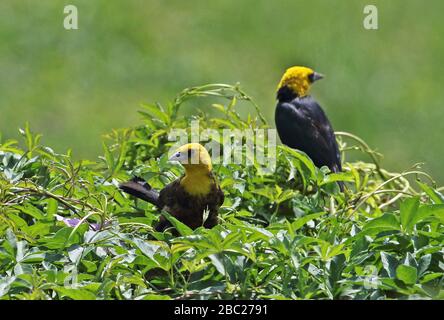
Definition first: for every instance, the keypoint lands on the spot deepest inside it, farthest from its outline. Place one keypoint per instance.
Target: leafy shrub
(67, 232)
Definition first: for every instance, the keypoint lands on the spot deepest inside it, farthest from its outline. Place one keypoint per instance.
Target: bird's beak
(317, 76)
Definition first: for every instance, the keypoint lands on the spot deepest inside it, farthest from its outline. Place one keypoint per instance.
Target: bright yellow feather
(197, 179)
(297, 79)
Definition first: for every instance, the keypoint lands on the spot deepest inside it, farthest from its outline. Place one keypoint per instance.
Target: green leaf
(29, 209)
(75, 253)
(5, 285)
(386, 222)
(59, 239)
(109, 157)
(268, 193)
(285, 195)
(426, 211)
(156, 251)
(182, 228)
(436, 196)
(431, 276)
(424, 263)
(148, 248)
(76, 294)
(303, 158)
(300, 222)
(333, 177)
(217, 261)
(406, 274)
(389, 263)
(408, 211)
(89, 265)
(38, 229)
(51, 208)
(156, 111)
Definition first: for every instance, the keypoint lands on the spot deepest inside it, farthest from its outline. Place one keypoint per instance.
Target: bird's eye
(311, 77)
(177, 154)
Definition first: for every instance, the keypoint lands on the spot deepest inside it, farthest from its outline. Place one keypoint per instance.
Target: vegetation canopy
(68, 232)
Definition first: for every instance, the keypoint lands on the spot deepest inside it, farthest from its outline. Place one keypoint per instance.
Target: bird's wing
(326, 134)
(171, 194)
(313, 132)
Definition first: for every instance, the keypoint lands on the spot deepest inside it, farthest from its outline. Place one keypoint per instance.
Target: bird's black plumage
(141, 189)
(302, 124)
(174, 199)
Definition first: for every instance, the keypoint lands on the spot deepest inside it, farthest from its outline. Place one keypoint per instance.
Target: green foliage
(67, 232)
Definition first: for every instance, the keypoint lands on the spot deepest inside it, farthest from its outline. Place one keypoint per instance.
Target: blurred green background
(73, 86)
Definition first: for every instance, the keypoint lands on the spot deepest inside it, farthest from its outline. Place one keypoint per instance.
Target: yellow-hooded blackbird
(300, 121)
(187, 197)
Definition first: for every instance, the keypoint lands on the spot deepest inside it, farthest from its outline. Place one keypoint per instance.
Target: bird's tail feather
(140, 189)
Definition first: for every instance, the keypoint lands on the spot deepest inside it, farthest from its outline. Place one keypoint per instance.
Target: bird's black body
(302, 124)
(183, 206)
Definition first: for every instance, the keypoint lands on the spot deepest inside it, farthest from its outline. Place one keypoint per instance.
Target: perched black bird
(188, 197)
(300, 121)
